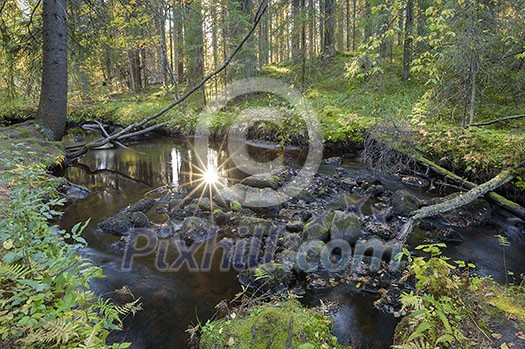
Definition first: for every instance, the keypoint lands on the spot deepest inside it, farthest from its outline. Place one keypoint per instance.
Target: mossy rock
(273, 278)
(318, 228)
(284, 325)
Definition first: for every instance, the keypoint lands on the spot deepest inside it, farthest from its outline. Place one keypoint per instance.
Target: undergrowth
(46, 301)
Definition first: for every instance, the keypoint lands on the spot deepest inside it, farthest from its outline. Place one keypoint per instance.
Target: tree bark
(328, 18)
(407, 46)
(493, 197)
(52, 108)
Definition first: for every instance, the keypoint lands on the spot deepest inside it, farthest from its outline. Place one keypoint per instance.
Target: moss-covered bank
(281, 324)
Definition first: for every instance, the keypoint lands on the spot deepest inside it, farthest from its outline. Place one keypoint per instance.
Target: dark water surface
(174, 300)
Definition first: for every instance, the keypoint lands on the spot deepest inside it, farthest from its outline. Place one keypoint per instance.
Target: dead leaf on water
(520, 335)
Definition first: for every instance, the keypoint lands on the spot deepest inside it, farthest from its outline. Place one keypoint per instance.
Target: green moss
(272, 326)
(235, 206)
(511, 301)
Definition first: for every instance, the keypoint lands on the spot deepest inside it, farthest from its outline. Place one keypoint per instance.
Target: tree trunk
(354, 18)
(193, 42)
(329, 28)
(474, 73)
(296, 31)
(407, 47)
(368, 20)
(263, 41)
(52, 108)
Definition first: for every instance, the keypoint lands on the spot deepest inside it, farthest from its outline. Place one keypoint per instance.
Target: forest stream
(173, 300)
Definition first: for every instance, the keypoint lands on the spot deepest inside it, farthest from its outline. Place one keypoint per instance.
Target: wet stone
(345, 226)
(143, 205)
(295, 226)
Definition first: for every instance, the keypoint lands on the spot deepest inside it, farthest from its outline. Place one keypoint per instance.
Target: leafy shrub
(45, 298)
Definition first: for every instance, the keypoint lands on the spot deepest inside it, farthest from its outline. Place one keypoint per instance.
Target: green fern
(419, 344)
(13, 271)
(57, 331)
(89, 343)
(127, 308)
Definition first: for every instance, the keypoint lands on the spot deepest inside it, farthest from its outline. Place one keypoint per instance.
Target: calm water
(174, 300)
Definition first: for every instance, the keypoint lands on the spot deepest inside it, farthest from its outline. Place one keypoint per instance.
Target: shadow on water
(173, 300)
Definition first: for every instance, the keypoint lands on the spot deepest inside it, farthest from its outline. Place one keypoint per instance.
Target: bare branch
(498, 120)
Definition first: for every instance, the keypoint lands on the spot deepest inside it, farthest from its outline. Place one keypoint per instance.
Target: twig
(498, 120)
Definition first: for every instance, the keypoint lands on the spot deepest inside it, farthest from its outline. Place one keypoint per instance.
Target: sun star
(210, 176)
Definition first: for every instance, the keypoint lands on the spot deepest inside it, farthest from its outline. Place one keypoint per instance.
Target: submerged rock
(448, 235)
(73, 192)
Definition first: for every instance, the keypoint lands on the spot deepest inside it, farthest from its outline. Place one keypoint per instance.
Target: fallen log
(494, 198)
(460, 200)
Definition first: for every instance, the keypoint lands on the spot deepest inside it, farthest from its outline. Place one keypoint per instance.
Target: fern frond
(57, 331)
(418, 344)
(131, 307)
(89, 343)
(13, 271)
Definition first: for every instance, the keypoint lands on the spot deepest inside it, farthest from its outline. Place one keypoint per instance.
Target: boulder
(404, 203)
(291, 241)
(272, 278)
(318, 228)
(139, 219)
(248, 225)
(165, 231)
(309, 256)
(195, 229)
(205, 204)
(143, 205)
(295, 226)
(220, 217)
(264, 200)
(233, 193)
(119, 224)
(345, 226)
(262, 181)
